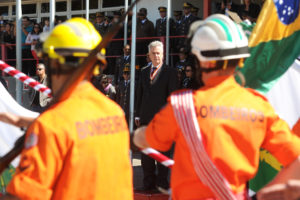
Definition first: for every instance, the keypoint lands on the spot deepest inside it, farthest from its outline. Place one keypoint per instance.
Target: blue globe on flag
(287, 10)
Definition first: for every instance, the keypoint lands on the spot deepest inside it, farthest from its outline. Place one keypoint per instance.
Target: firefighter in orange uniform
(219, 128)
(79, 147)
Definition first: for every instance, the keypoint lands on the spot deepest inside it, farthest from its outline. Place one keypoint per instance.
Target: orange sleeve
(41, 163)
(162, 130)
(280, 141)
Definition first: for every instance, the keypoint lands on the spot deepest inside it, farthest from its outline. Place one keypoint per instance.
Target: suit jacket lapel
(157, 75)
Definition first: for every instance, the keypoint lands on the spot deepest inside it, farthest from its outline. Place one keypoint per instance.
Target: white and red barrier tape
(164, 160)
(24, 78)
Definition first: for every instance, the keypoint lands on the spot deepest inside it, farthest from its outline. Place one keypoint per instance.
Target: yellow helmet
(74, 38)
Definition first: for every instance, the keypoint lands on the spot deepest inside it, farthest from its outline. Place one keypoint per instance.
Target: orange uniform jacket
(78, 149)
(235, 122)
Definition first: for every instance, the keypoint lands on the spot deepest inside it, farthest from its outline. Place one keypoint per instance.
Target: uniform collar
(143, 21)
(214, 81)
(186, 16)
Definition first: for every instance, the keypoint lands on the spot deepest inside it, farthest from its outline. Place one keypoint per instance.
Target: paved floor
(138, 182)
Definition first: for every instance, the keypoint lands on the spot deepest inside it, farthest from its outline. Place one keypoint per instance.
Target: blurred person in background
(9, 40)
(32, 38)
(28, 65)
(38, 100)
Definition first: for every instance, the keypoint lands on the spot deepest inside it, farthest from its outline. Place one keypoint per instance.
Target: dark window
(26, 9)
(113, 3)
(60, 6)
(4, 10)
(80, 4)
(45, 8)
(61, 19)
(79, 15)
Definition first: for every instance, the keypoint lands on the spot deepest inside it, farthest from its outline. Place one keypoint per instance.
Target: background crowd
(146, 32)
(115, 79)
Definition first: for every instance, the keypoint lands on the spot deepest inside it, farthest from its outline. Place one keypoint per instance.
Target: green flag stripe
(264, 175)
(269, 60)
(223, 25)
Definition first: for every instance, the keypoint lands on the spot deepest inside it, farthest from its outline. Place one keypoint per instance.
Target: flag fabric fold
(284, 96)
(8, 133)
(274, 44)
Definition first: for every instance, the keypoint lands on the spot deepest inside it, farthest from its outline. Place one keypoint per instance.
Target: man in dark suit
(144, 28)
(194, 11)
(123, 92)
(175, 42)
(121, 62)
(177, 22)
(186, 20)
(114, 48)
(156, 84)
(100, 23)
(161, 23)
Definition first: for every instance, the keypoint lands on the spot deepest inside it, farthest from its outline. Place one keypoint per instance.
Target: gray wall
(11, 82)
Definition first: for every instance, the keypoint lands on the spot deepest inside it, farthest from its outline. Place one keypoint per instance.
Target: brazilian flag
(5, 178)
(274, 45)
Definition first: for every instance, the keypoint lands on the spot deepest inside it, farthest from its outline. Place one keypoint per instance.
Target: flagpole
(19, 48)
(87, 9)
(168, 31)
(125, 23)
(132, 70)
(52, 14)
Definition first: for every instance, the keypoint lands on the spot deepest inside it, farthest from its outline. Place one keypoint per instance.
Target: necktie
(152, 70)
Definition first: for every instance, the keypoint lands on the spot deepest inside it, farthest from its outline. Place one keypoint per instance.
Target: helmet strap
(225, 64)
(241, 63)
(241, 77)
(46, 61)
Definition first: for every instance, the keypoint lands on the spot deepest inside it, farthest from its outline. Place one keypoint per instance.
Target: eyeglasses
(39, 69)
(36, 27)
(189, 70)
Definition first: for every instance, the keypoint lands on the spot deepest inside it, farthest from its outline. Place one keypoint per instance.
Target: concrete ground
(138, 182)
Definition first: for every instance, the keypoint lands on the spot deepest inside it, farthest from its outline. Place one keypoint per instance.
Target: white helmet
(218, 38)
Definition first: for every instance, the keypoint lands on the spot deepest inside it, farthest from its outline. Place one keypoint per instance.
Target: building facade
(65, 9)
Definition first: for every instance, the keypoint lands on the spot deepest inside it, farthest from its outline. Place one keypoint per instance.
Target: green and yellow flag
(5, 178)
(274, 44)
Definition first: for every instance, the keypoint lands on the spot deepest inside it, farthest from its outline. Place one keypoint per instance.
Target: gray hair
(155, 44)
